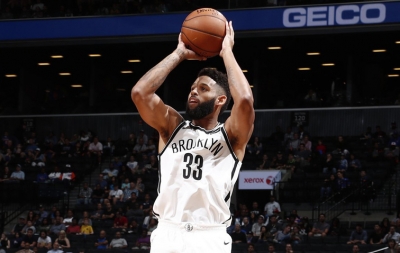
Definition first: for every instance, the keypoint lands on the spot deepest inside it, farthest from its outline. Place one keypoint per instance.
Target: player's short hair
(222, 80)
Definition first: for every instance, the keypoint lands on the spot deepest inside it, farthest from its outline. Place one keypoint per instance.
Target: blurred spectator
(320, 228)
(132, 164)
(328, 187)
(342, 164)
(392, 246)
(26, 249)
(4, 242)
(377, 235)
(271, 248)
(116, 195)
(358, 236)
(264, 164)
(288, 136)
(340, 146)
(16, 240)
(85, 216)
(19, 226)
(355, 249)
(379, 135)
(108, 214)
(55, 175)
(74, 228)
(143, 242)
(97, 195)
(311, 97)
(118, 242)
(294, 143)
(102, 241)
(391, 235)
(238, 236)
(120, 221)
(302, 133)
(55, 249)
(110, 172)
(43, 241)
(385, 225)
(354, 163)
(272, 207)
(302, 152)
(85, 194)
(392, 152)
(28, 226)
(100, 181)
(255, 209)
(295, 236)
(86, 228)
(283, 236)
(69, 217)
(288, 248)
(307, 143)
(335, 229)
(343, 183)
(272, 227)
(57, 227)
(18, 174)
(140, 147)
(44, 226)
(63, 241)
(29, 239)
(98, 213)
(96, 149)
(246, 225)
(256, 228)
(147, 204)
(42, 176)
(6, 174)
(127, 192)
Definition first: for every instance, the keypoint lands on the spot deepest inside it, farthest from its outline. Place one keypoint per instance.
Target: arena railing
(17, 197)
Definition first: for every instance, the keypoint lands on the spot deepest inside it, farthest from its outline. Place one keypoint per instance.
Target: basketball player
(199, 159)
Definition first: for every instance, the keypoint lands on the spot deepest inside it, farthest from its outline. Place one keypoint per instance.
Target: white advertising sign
(258, 179)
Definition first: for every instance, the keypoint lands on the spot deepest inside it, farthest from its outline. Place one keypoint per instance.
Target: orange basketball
(203, 31)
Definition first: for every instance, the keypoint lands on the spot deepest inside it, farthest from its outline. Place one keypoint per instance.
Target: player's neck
(206, 123)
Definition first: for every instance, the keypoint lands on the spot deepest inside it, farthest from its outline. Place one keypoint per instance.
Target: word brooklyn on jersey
(189, 144)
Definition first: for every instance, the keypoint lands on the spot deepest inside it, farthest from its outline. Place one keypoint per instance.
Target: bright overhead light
(64, 74)
(393, 75)
(328, 64)
(43, 63)
(379, 50)
(304, 68)
(11, 75)
(57, 56)
(126, 72)
(313, 53)
(274, 48)
(251, 86)
(245, 70)
(76, 85)
(47, 91)
(398, 42)
(121, 89)
(134, 60)
(396, 69)
(94, 55)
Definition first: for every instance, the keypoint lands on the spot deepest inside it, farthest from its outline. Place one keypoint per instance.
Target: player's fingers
(228, 32)
(180, 37)
(231, 28)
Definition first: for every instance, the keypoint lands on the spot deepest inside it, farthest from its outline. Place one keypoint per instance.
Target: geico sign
(325, 16)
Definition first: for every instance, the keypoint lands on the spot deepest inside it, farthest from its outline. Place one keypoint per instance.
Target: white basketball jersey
(198, 171)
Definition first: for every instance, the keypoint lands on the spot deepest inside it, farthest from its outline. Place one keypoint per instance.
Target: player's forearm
(238, 84)
(152, 80)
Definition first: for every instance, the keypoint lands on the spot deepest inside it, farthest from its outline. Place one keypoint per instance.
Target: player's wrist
(180, 53)
(225, 51)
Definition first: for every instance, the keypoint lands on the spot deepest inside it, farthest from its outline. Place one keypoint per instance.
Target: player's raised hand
(229, 40)
(186, 53)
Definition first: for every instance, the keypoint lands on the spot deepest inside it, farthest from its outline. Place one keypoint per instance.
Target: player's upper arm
(155, 113)
(240, 123)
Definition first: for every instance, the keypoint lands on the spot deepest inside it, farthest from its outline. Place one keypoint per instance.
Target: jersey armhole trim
(229, 143)
(172, 136)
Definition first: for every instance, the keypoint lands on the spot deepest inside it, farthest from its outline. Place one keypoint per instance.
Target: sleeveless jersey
(198, 171)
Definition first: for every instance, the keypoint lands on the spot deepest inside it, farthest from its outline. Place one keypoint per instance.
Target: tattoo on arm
(231, 77)
(157, 75)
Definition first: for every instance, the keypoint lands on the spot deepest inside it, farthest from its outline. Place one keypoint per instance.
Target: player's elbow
(246, 100)
(136, 93)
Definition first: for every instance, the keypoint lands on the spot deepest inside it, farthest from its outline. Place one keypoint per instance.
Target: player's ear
(221, 100)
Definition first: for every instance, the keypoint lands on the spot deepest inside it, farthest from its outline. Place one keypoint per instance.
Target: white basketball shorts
(171, 237)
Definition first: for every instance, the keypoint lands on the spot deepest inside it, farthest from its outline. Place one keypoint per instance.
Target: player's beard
(201, 110)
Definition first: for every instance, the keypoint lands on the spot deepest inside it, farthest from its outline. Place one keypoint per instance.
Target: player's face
(202, 97)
